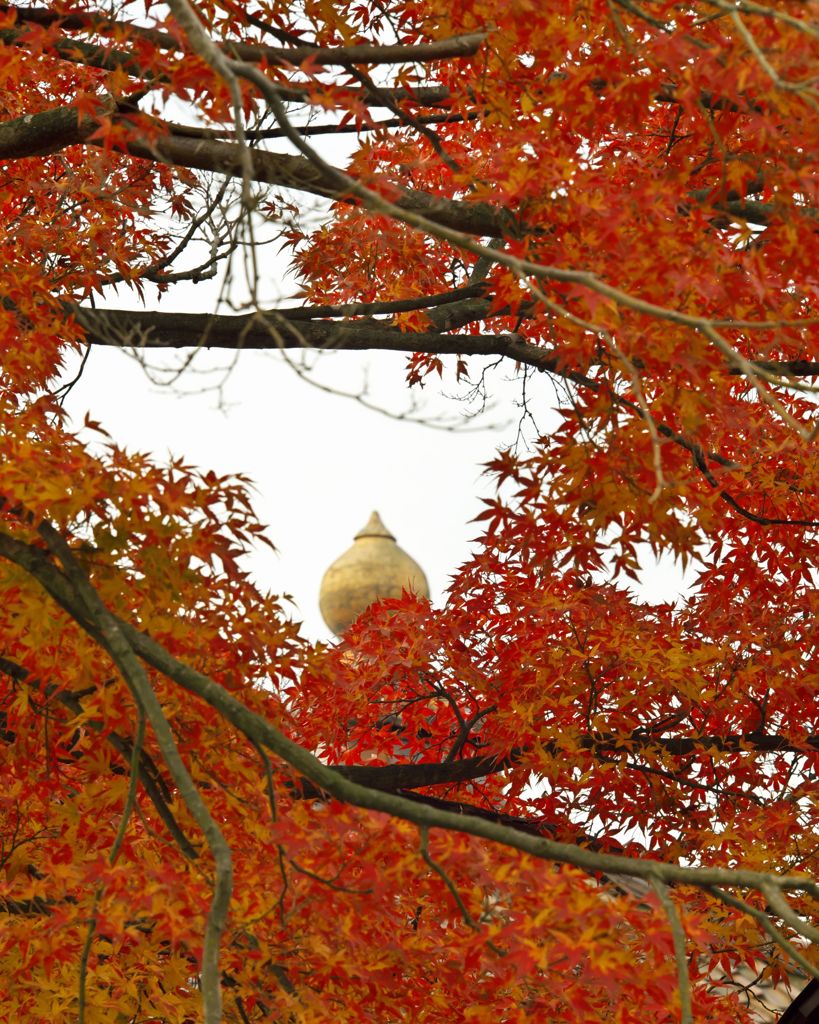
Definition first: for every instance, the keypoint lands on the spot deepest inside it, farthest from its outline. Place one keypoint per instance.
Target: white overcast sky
(321, 463)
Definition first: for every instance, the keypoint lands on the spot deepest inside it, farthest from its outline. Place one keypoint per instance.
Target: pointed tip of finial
(367, 573)
(374, 528)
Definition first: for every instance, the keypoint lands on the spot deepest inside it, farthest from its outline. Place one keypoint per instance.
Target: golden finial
(372, 569)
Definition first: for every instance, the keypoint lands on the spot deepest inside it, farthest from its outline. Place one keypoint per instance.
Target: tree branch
(276, 329)
(299, 173)
(99, 23)
(48, 132)
(421, 774)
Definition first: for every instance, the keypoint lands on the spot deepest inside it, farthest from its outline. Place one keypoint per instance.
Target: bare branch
(343, 56)
(49, 131)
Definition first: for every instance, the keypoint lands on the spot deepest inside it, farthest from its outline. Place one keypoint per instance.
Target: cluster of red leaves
(664, 154)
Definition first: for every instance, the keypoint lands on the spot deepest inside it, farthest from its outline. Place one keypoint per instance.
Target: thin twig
(423, 831)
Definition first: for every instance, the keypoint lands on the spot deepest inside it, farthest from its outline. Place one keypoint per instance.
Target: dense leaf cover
(549, 801)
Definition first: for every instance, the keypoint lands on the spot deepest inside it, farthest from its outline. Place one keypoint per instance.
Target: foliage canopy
(578, 806)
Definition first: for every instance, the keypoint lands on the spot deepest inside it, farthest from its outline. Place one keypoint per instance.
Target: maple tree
(576, 806)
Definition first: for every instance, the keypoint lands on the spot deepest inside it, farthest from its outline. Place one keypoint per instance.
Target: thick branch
(46, 132)
(440, 49)
(300, 327)
(52, 130)
(296, 172)
(787, 367)
(98, 56)
(336, 56)
(288, 329)
(395, 777)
